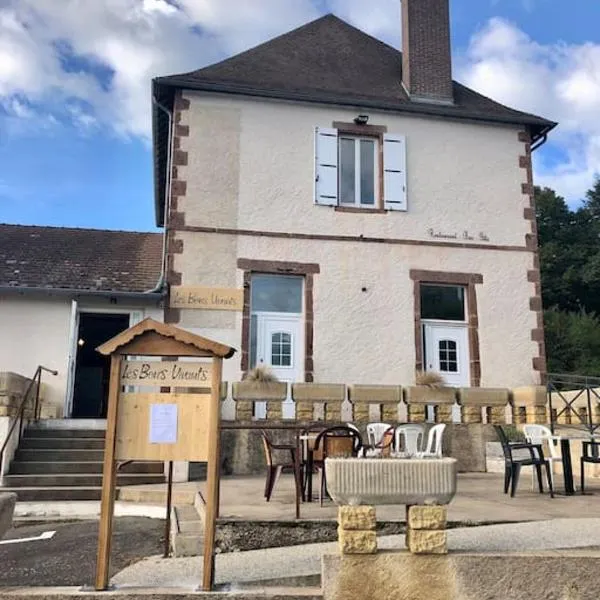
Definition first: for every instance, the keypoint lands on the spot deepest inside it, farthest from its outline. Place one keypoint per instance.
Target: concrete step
(44, 432)
(64, 455)
(186, 544)
(47, 494)
(71, 480)
(187, 537)
(79, 467)
(53, 443)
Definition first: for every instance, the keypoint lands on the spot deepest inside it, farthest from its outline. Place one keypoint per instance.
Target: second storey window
(360, 171)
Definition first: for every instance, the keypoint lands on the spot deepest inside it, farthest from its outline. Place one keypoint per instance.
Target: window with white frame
(357, 171)
(349, 170)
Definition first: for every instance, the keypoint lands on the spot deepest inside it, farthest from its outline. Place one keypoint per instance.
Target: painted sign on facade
(174, 374)
(207, 298)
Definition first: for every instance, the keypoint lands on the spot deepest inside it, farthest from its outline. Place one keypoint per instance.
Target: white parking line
(43, 536)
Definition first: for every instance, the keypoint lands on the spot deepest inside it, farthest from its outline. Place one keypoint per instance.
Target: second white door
(447, 352)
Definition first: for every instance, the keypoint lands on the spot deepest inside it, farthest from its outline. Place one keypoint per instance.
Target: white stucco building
(378, 216)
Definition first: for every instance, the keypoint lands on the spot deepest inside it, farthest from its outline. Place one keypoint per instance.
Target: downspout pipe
(161, 280)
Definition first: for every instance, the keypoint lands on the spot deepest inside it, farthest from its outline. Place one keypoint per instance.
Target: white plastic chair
(361, 452)
(375, 433)
(434, 442)
(410, 439)
(538, 434)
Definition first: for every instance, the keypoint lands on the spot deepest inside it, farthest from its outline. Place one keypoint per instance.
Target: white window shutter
(394, 172)
(326, 166)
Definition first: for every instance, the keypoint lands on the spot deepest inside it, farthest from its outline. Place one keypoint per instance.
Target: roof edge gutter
(12, 289)
(428, 109)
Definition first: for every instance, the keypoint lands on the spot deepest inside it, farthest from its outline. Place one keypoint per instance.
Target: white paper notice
(163, 423)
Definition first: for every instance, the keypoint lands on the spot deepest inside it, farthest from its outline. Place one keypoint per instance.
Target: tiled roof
(325, 61)
(79, 259)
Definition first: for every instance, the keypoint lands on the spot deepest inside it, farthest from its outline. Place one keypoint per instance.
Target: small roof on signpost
(152, 338)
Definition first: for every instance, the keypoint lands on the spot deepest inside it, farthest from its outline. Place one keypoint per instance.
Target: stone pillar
(356, 530)
(304, 411)
(361, 412)
(443, 413)
(497, 415)
(389, 412)
(471, 414)
(274, 410)
(536, 414)
(333, 411)
(426, 530)
(244, 410)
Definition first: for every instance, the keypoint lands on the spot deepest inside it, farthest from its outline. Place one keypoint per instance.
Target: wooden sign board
(206, 298)
(167, 374)
(141, 426)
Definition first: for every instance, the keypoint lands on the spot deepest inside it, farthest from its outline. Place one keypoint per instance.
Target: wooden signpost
(164, 426)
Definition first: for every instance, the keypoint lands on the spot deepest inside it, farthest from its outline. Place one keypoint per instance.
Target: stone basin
(376, 481)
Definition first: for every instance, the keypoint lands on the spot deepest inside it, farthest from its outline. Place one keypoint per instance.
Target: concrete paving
(479, 499)
(303, 561)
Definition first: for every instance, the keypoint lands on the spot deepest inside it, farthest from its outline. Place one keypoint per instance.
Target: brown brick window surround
(468, 280)
(307, 270)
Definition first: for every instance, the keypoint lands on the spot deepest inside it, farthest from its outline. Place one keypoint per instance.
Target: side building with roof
(63, 292)
(377, 215)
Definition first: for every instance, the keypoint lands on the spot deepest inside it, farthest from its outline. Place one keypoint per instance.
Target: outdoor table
(565, 452)
(296, 427)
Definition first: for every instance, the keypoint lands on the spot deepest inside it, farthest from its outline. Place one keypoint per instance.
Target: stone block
(389, 413)
(259, 391)
(357, 542)
(483, 396)
(357, 518)
(425, 541)
(416, 413)
(538, 414)
(377, 394)
(333, 411)
(423, 394)
(443, 414)
(274, 410)
(361, 412)
(497, 415)
(304, 411)
(7, 509)
(427, 517)
(471, 414)
(319, 392)
(530, 395)
(244, 410)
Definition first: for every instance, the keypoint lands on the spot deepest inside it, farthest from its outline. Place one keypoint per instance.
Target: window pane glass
(444, 302)
(276, 293)
(448, 356)
(347, 171)
(367, 172)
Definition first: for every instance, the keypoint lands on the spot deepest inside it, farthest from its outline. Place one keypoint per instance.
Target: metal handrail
(36, 378)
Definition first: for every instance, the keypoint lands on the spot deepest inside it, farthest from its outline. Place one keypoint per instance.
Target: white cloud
(558, 81)
(129, 41)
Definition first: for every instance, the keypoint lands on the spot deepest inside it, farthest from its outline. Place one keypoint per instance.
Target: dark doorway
(92, 370)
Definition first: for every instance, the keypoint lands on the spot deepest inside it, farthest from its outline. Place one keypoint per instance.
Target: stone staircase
(66, 464)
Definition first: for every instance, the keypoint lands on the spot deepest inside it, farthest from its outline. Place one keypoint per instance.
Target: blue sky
(75, 87)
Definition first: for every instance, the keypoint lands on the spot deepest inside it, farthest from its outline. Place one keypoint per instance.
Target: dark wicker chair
(275, 468)
(331, 442)
(512, 465)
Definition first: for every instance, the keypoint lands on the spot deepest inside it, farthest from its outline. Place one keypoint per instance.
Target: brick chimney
(426, 63)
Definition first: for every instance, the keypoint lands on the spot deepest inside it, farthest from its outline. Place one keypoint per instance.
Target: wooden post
(109, 476)
(167, 547)
(212, 496)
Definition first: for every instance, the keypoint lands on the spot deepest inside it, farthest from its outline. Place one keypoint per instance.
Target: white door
(280, 346)
(447, 352)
